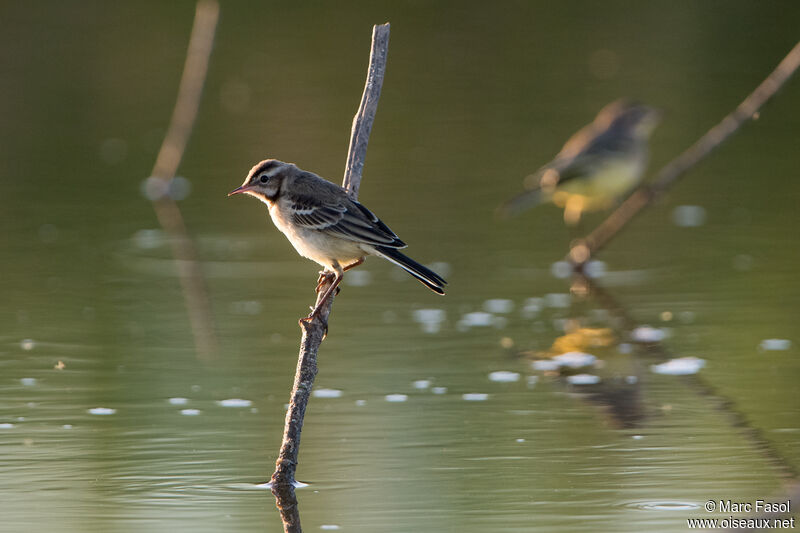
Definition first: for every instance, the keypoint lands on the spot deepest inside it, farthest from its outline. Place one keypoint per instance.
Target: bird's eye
(264, 178)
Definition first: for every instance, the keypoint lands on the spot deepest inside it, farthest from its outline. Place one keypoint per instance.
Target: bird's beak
(239, 190)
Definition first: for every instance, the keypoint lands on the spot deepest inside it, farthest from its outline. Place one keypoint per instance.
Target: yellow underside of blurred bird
(596, 167)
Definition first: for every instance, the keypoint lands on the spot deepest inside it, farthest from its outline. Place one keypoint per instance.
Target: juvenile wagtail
(597, 166)
(325, 225)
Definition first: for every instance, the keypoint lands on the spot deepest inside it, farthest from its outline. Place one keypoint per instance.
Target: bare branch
(314, 331)
(670, 173)
(169, 157)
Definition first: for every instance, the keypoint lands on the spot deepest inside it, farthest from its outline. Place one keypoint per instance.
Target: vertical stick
(314, 330)
(169, 157)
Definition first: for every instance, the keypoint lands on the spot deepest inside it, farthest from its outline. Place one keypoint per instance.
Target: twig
(169, 157)
(670, 173)
(314, 330)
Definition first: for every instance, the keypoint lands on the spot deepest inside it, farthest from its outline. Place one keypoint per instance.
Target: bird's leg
(337, 278)
(324, 276)
(353, 264)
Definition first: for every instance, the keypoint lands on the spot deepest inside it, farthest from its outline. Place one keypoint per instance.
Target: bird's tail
(521, 202)
(426, 276)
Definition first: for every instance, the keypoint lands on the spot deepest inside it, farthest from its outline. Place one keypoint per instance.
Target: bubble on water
(154, 188)
(498, 305)
(396, 398)
(178, 401)
(595, 269)
(520, 440)
(681, 366)
(235, 402)
(439, 390)
(532, 307)
(561, 269)
(475, 397)
(477, 318)
(430, 319)
(583, 379)
(545, 365)
(102, 411)
(625, 348)
(557, 300)
(575, 359)
(179, 188)
(190, 412)
(358, 278)
(28, 382)
(27, 344)
(637, 437)
(422, 384)
(504, 376)
(6, 425)
(689, 216)
(648, 335)
(775, 344)
(147, 239)
(329, 527)
(326, 393)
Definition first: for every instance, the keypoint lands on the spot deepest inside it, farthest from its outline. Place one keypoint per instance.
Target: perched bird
(325, 225)
(597, 166)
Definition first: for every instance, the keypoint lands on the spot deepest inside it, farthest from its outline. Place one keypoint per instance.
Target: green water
(475, 98)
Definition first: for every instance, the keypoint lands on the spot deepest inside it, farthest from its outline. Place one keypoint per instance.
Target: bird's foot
(324, 277)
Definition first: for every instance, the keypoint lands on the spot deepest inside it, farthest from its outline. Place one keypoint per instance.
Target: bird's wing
(345, 219)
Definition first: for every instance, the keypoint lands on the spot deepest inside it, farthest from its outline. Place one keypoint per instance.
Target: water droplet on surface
(235, 402)
(681, 366)
(396, 398)
(575, 359)
(498, 305)
(326, 393)
(102, 411)
(583, 379)
(689, 216)
(648, 335)
(504, 376)
(475, 397)
(775, 344)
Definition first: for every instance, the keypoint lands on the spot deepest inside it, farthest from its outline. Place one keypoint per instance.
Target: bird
(327, 226)
(597, 166)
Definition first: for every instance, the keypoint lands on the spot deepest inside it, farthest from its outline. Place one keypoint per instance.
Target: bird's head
(264, 180)
(634, 118)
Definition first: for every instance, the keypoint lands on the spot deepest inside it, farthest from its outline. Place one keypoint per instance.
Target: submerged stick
(169, 157)
(669, 174)
(314, 330)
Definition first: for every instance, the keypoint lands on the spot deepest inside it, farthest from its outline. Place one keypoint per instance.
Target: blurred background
(434, 414)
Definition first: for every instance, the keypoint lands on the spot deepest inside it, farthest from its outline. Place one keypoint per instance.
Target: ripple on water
(663, 505)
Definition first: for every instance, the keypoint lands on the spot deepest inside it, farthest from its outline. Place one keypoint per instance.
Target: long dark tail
(521, 202)
(425, 275)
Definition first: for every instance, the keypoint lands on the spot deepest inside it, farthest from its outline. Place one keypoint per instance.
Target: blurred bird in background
(597, 166)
